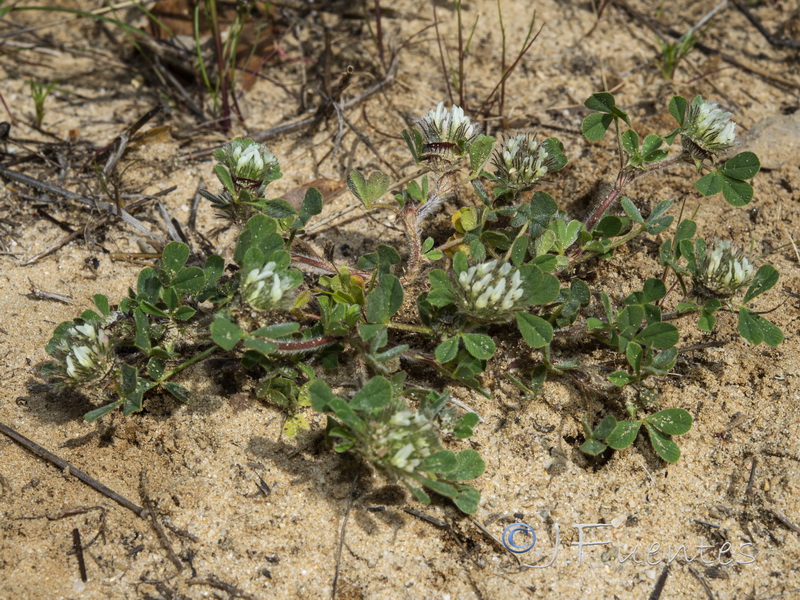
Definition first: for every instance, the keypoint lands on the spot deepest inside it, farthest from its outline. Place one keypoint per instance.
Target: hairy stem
(409, 327)
(409, 217)
(624, 179)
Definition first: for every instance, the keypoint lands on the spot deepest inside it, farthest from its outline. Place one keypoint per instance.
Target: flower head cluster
(521, 161)
(490, 290)
(268, 287)
(447, 133)
(248, 162)
(722, 270)
(708, 129)
(403, 439)
(83, 352)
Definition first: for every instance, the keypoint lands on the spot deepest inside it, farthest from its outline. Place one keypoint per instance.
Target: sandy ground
(733, 494)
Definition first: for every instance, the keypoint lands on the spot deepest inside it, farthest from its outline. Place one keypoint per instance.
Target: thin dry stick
(267, 134)
(791, 241)
(162, 537)
(212, 581)
(421, 515)
(461, 84)
(47, 187)
(775, 41)
(709, 591)
(662, 579)
(94, 13)
(76, 544)
(42, 295)
(195, 204)
(63, 241)
(68, 468)
(77, 233)
(369, 144)
(510, 69)
(657, 28)
(379, 33)
(173, 233)
(706, 18)
(501, 105)
(784, 519)
(445, 74)
(341, 535)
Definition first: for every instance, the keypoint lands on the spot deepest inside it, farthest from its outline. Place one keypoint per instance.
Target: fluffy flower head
(722, 270)
(269, 287)
(521, 161)
(490, 290)
(248, 162)
(82, 352)
(708, 129)
(447, 133)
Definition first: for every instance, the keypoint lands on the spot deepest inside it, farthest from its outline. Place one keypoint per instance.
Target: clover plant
(438, 309)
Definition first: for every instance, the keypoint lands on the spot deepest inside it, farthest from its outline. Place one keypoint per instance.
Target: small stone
(618, 521)
(776, 141)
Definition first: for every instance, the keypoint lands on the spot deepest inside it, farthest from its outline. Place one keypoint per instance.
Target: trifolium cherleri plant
(440, 308)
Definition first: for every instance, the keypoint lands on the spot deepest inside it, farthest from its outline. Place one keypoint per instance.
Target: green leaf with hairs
(368, 190)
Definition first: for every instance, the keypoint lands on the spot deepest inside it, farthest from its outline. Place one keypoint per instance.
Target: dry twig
(68, 468)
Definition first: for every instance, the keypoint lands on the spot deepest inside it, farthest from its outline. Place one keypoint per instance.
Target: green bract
(245, 170)
(380, 427)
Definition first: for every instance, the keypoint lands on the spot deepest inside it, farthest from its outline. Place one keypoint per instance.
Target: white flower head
(490, 290)
(708, 130)
(447, 134)
(722, 270)
(82, 352)
(521, 161)
(249, 162)
(402, 438)
(268, 288)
